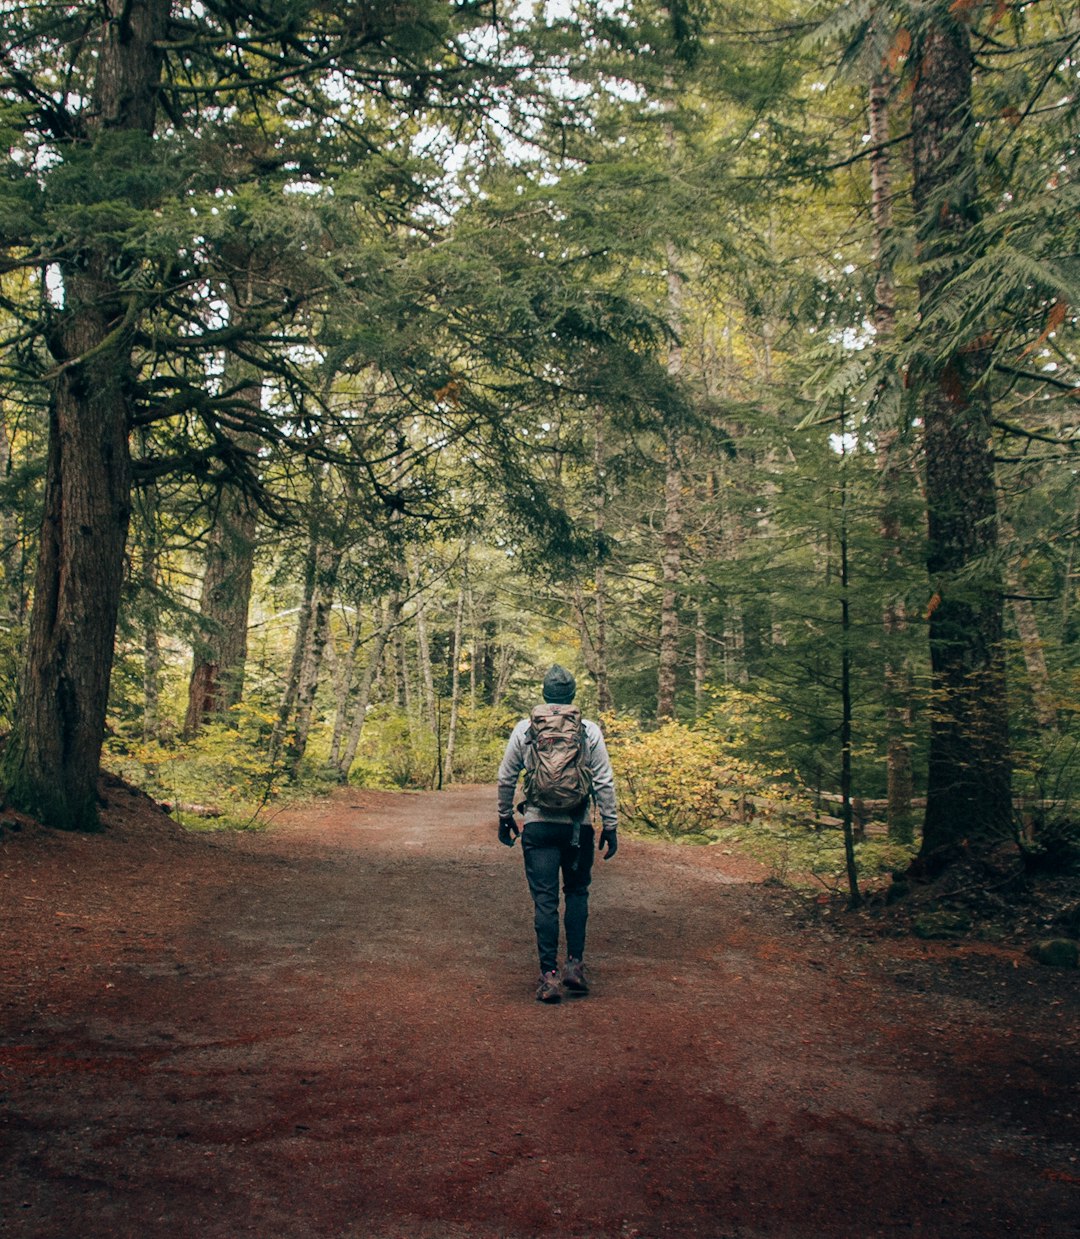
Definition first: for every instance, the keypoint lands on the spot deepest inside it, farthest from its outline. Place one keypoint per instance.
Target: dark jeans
(547, 851)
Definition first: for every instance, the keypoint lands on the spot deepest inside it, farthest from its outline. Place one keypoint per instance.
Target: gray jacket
(596, 758)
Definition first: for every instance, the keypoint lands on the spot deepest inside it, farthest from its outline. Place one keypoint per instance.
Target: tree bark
(672, 537)
(344, 678)
(218, 667)
(150, 610)
(897, 673)
(220, 655)
(14, 592)
(423, 654)
(969, 772)
(363, 697)
(594, 635)
(52, 758)
(455, 687)
(291, 689)
(881, 203)
(1031, 645)
(316, 636)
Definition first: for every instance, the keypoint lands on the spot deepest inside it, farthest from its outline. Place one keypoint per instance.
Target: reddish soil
(328, 1029)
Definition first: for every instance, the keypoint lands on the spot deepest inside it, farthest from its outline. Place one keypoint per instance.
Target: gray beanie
(559, 686)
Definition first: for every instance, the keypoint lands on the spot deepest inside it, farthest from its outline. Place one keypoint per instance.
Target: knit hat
(559, 686)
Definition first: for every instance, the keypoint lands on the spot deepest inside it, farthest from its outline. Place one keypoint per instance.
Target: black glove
(609, 842)
(508, 830)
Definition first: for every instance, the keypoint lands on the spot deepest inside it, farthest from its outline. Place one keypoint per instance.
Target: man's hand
(508, 830)
(609, 842)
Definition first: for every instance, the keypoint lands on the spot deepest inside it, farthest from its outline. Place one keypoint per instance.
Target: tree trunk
(51, 762)
(1031, 646)
(220, 655)
(291, 689)
(423, 654)
(217, 674)
(670, 569)
(150, 611)
(881, 203)
(897, 673)
(846, 711)
(672, 537)
(343, 687)
(969, 771)
(363, 696)
(898, 680)
(701, 658)
(455, 686)
(604, 701)
(593, 635)
(316, 636)
(14, 593)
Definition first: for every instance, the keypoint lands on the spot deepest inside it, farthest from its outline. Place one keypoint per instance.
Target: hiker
(567, 770)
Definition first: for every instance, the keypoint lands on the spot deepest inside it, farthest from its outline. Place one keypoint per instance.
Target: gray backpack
(556, 776)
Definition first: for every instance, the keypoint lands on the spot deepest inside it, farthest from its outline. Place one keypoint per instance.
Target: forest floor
(327, 1028)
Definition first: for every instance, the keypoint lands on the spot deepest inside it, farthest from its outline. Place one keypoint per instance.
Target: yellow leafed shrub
(677, 781)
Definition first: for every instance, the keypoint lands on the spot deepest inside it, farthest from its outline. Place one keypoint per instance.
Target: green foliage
(398, 751)
(12, 640)
(694, 784)
(797, 854)
(394, 751)
(481, 742)
(222, 771)
(1047, 783)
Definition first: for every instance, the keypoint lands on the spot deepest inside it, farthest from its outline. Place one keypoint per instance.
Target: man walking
(567, 770)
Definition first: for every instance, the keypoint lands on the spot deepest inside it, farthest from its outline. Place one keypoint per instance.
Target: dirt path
(328, 1029)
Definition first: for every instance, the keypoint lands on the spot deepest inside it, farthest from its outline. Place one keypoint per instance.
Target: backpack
(556, 776)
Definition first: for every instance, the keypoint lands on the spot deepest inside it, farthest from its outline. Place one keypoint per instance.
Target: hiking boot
(549, 989)
(574, 976)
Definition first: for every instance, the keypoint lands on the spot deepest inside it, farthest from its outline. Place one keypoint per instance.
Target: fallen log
(192, 810)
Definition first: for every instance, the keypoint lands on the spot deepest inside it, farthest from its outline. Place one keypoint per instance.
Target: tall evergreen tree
(968, 786)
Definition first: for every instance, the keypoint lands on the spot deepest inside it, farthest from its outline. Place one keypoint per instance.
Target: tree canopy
(358, 360)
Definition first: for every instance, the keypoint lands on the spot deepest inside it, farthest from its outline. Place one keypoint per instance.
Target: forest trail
(328, 1029)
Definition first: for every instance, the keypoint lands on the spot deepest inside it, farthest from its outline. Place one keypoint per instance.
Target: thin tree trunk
(1042, 695)
(504, 670)
(318, 632)
(968, 805)
(474, 660)
(455, 686)
(291, 688)
(51, 761)
(881, 203)
(343, 687)
(218, 668)
(735, 668)
(401, 653)
(220, 654)
(423, 654)
(594, 636)
(898, 679)
(1031, 645)
(672, 537)
(701, 662)
(10, 540)
(670, 569)
(363, 697)
(150, 577)
(604, 701)
(846, 713)
(897, 673)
